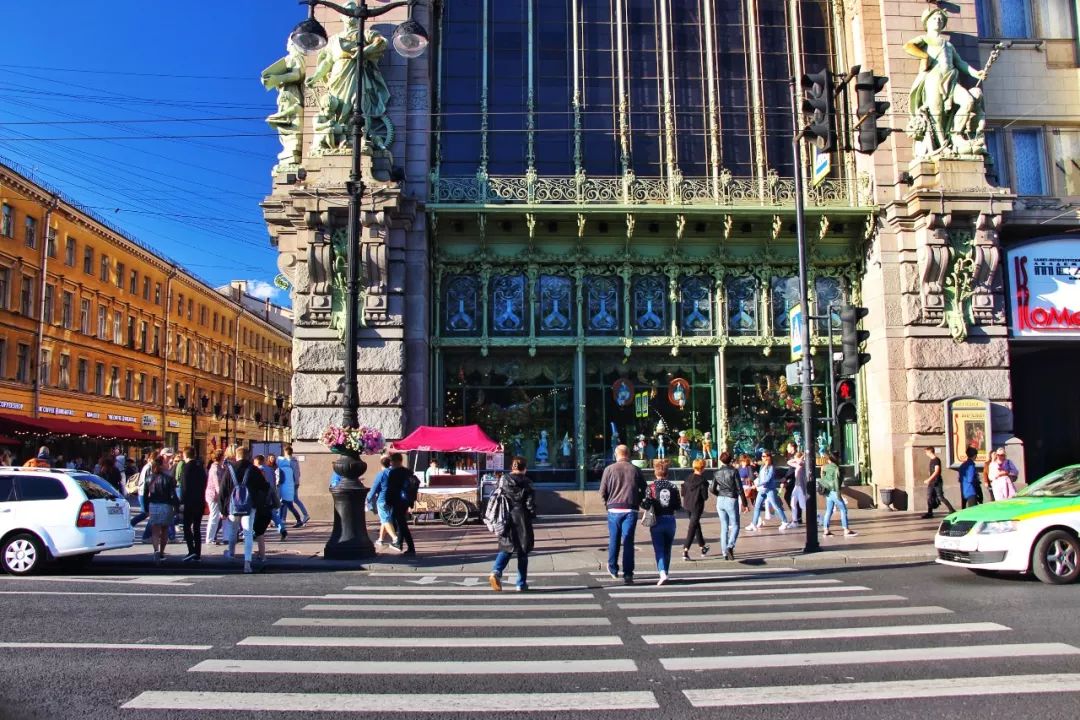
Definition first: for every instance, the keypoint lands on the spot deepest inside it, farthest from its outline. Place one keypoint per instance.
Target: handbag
(648, 519)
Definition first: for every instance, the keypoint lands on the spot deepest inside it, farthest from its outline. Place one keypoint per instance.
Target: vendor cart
(458, 497)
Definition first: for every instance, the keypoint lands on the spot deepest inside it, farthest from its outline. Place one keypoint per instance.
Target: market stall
(456, 496)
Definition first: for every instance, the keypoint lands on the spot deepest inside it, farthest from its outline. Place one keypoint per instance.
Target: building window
(461, 305)
(88, 260)
(785, 295)
(142, 335)
(603, 305)
(1019, 159)
(695, 305)
(742, 306)
(153, 389)
(102, 323)
(157, 293)
(63, 380)
(190, 306)
(69, 252)
(31, 232)
(5, 287)
(83, 373)
(157, 340)
(129, 385)
(50, 242)
(49, 304)
(649, 305)
(131, 332)
(120, 275)
(99, 378)
(1043, 19)
(507, 305)
(215, 321)
(180, 305)
(104, 268)
(189, 354)
(118, 327)
(7, 223)
(3, 358)
(114, 382)
(45, 368)
(67, 309)
(84, 316)
(146, 289)
(22, 363)
(1066, 158)
(26, 298)
(828, 292)
(140, 388)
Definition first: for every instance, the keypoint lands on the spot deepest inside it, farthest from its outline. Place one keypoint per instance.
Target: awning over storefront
(17, 425)
(462, 438)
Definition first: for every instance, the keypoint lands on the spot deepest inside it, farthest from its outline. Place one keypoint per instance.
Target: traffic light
(845, 410)
(868, 110)
(851, 338)
(818, 100)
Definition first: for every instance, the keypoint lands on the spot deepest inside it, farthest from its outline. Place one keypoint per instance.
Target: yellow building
(102, 338)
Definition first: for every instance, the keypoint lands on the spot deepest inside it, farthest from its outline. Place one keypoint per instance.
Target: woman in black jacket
(663, 501)
(518, 536)
(694, 493)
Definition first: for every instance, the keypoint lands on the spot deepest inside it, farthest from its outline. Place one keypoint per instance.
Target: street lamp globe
(309, 35)
(410, 39)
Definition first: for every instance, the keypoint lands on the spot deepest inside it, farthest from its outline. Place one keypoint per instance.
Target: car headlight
(996, 528)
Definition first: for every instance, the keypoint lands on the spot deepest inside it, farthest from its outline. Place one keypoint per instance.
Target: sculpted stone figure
(287, 75)
(336, 65)
(946, 118)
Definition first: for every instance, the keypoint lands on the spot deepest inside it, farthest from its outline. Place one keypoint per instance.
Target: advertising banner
(1044, 288)
(967, 424)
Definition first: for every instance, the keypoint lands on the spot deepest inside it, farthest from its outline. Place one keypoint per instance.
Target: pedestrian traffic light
(844, 410)
(868, 110)
(851, 338)
(818, 100)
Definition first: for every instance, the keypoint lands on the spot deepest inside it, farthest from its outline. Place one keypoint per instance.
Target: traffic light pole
(809, 456)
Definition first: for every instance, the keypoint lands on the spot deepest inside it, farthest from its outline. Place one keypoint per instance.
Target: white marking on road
(617, 591)
(823, 633)
(469, 585)
(714, 571)
(440, 574)
(888, 690)
(374, 704)
(531, 595)
(517, 607)
(433, 642)
(156, 595)
(426, 580)
(166, 580)
(725, 593)
(760, 603)
(470, 582)
(443, 622)
(415, 668)
(860, 657)
(834, 614)
(96, 646)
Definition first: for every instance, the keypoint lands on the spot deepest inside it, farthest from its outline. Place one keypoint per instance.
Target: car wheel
(22, 554)
(1056, 558)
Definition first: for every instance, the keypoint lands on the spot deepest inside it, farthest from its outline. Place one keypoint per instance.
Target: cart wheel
(454, 512)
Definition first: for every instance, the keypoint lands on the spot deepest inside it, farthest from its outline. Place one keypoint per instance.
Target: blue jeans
(728, 510)
(834, 501)
(769, 496)
(621, 533)
(663, 536)
(503, 559)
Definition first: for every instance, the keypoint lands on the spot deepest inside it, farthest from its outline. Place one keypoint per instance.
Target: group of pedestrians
(391, 498)
(997, 480)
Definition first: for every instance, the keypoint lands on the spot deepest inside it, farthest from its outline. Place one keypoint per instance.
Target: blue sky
(147, 85)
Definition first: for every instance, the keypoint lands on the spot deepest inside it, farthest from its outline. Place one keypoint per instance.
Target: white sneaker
(379, 543)
(850, 533)
(751, 528)
(783, 527)
(663, 579)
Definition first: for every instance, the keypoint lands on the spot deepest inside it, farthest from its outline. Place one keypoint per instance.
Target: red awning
(58, 426)
(463, 438)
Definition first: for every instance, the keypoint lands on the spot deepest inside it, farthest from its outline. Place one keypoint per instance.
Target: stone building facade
(583, 231)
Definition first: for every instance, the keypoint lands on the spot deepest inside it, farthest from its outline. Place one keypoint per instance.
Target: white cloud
(263, 290)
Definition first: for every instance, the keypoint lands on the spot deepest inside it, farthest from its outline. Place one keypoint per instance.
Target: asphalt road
(902, 642)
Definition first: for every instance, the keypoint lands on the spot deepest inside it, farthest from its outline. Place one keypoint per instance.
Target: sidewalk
(579, 543)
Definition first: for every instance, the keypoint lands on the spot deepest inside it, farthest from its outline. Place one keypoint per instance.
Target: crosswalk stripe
(468, 588)
(441, 622)
(695, 584)
(417, 668)
(392, 703)
(516, 607)
(823, 633)
(757, 603)
(532, 595)
(835, 613)
(717, 571)
(754, 591)
(97, 646)
(860, 657)
(439, 573)
(888, 690)
(433, 642)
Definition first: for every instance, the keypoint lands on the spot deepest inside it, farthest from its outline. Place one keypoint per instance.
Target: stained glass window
(828, 291)
(508, 305)
(555, 307)
(785, 295)
(460, 305)
(649, 305)
(695, 305)
(603, 305)
(742, 306)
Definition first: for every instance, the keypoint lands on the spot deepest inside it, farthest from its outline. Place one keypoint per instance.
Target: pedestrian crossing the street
(585, 644)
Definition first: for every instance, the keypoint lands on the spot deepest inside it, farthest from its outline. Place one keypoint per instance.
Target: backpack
(497, 513)
(240, 501)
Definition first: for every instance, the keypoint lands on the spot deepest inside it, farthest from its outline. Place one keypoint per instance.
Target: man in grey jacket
(622, 489)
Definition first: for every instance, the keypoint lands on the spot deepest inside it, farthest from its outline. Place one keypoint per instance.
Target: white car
(48, 514)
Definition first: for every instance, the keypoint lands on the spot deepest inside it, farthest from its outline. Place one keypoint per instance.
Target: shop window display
(742, 306)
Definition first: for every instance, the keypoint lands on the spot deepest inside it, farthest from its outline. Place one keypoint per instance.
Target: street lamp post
(349, 538)
(193, 411)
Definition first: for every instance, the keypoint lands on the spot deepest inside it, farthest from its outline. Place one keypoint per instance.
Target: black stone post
(349, 539)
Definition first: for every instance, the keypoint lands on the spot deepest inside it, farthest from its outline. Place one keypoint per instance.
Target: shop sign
(122, 418)
(678, 392)
(1044, 283)
(795, 325)
(174, 423)
(967, 424)
(622, 391)
(8, 405)
(55, 411)
(149, 421)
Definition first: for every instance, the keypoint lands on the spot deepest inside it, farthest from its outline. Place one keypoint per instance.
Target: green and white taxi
(1037, 531)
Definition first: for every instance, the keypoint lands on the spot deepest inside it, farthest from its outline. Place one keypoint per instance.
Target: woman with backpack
(661, 502)
(517, 537)
(162, 502)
